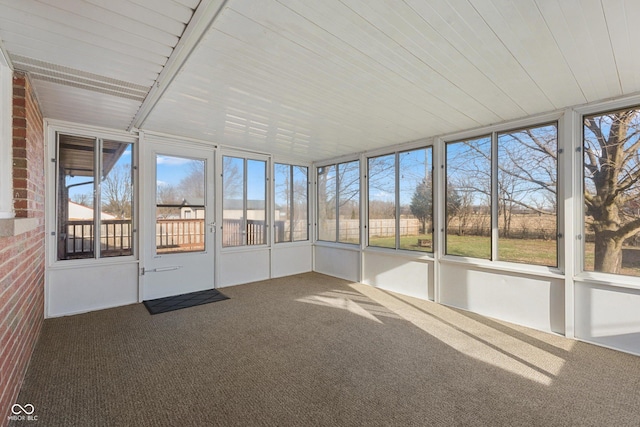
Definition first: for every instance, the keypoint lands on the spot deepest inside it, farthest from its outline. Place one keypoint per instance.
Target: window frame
(396, 174)
(600, 109)
(245, 171)
(52, 129)
(291, 198)
(559, 119)
(336, 209)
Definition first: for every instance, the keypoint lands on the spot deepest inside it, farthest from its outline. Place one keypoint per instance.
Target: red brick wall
(22, 256)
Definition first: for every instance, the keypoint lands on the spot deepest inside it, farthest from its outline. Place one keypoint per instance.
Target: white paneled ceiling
(314, 79)
(92, 61)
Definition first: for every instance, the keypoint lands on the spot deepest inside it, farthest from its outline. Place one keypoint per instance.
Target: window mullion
(97, 199)
(291, 203)
(337, 203)
(397, 198)
(494, 196)
(245, 234)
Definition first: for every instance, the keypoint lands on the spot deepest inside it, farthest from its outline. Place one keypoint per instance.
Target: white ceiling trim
(202, 20)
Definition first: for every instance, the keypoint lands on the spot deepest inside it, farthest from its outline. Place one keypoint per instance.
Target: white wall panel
(399, 274)
(536, 302)
(288, 260)
(87, 288)
(338, 262)
(243, 267)
(609, 316)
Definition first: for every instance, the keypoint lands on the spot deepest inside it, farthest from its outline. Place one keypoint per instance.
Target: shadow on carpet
(177, 302)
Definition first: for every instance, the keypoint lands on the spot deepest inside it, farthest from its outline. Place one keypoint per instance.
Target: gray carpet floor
(314, 350)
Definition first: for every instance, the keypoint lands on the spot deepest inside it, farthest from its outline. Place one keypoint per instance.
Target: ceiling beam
(202, 19)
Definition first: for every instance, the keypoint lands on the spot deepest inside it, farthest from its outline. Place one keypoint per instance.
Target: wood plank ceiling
(312, 79)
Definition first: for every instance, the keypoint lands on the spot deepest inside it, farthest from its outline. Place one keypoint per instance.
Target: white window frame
(396, 155)
(245, 156)
(562, 174)
(54, 127)
(597, 277)
(292, 165)
(336, 162)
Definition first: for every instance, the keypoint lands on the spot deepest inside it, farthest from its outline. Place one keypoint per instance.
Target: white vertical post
(568, 174)
(439, 212)
(6, 139)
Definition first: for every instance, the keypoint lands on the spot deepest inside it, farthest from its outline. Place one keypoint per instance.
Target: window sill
(608, 279)
(515, 268)
(10, 227)
(402, 253)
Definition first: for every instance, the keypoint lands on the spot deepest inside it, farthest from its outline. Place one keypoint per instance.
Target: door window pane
(382, 201)
(233, 190)
(327, 203)
(527, 200)
(256, 184)
(611, 190)
(116, 198)
(416, 200)
(349, 202)
(180, 204)
(468, 198)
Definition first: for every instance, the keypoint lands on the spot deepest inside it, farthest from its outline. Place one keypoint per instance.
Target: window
(611, 190)
(339, 203)
(522, 191)
(468, 198)
(400, 200)
(527, 202)
(291, 188)
(94, 210)
(244, 212)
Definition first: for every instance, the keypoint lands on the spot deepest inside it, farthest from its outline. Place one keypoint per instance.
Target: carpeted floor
(315, 350)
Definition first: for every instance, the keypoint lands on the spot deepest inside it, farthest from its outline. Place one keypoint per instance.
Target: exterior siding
(22, 257)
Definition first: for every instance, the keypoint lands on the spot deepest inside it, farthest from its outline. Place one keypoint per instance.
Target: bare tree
(84, 199)
(612, 172)
(193, 184)
(117, 191)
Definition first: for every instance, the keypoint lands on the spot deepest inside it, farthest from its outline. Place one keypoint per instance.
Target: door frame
(149, 146)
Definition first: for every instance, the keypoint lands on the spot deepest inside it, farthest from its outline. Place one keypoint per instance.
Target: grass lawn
(406, 242)
(526, 251)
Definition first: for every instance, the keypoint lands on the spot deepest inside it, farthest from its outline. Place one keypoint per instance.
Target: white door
(178, 221)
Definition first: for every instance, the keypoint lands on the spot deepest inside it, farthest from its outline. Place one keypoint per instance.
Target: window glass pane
(349, 202)
(416, 200)
(116, 196)
(282, 217)
(468, 208)
(300, 221)
(75, 201)
(527, 202)
(611, 190)
(256, 230)
(327, 203)
(382, 201)
(180, 204)
(233, 214)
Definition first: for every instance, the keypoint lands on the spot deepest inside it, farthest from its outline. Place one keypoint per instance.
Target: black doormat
(176, 302)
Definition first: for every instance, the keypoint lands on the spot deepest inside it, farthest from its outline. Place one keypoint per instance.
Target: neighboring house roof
(236, 204)
(78, 212)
